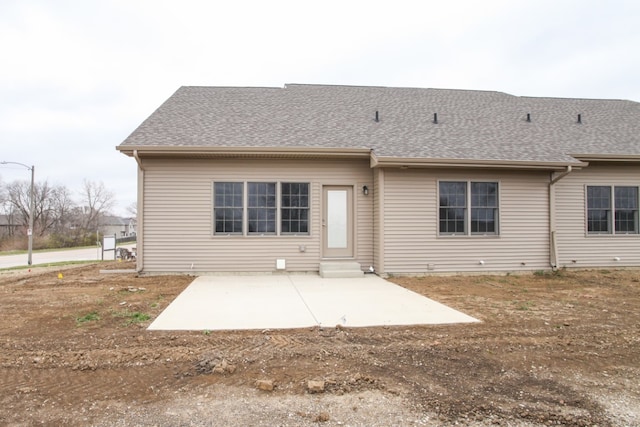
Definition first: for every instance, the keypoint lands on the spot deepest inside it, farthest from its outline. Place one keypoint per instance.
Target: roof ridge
(393, 87)
(575, 99)
(227, 87)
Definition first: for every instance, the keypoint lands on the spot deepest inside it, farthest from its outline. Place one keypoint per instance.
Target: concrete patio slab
(298, 301)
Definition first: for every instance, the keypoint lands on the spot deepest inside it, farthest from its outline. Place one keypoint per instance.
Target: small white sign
(29, 232)
(109, 243)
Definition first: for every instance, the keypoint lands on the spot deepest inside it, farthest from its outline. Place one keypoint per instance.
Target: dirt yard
(561, 349)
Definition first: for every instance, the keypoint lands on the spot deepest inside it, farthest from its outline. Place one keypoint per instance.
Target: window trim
(281, 209)
(214, 194)
(245, 210)
(468, 209)
(612, 212)
(249, 208)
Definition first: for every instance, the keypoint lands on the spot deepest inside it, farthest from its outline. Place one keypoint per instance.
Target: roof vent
(529, 117)
(435, 118)
(377, 116)
(579, 119)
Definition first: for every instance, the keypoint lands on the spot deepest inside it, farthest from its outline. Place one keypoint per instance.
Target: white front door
(337, 222)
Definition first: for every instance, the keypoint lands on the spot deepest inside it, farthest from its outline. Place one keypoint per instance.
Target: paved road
(86, 254)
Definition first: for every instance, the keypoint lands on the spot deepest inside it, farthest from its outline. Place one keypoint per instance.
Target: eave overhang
(205, 152)
(405, 163)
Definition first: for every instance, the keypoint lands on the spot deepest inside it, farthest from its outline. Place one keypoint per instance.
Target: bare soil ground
(561, 349)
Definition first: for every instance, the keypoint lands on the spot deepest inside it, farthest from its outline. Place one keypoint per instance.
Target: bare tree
(63, 206)
(18, 193)
(3, 192)
(95, 202)
(57, 219)
(51, 205)
(132, 209)
(7, 211)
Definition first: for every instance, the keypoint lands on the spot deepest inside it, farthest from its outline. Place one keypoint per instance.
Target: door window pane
(337, 219)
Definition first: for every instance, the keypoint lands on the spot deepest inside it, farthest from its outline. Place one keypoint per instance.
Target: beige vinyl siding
(378, 219)
(411, 241)
(178, 215)
(363, 223)
(575, 247)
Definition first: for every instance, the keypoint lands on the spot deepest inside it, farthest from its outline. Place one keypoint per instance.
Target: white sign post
(109, 244)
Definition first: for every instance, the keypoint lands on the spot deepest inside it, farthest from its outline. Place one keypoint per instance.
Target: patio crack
(303, 301)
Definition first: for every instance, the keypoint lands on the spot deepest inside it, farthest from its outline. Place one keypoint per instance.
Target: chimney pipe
(579, 118)
(377, 116)
(529, 117)
(435, 118)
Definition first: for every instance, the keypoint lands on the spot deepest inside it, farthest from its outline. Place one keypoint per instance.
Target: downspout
(553, 247)
(140, 215)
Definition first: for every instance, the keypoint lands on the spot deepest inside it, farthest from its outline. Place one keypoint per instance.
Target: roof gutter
(145, 150)
(608, 157)
(560, 176)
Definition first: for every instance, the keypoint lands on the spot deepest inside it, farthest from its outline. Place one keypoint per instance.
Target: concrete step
(340, 269)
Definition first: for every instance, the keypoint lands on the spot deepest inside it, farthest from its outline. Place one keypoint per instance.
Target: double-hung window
(228, 207)
(294, 208)
(468, 207)
(453, 207)
(612, 209)
(261, 208)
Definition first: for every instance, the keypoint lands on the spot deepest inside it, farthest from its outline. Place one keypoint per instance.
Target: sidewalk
(47, 257)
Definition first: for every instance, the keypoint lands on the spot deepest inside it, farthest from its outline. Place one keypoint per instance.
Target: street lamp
(31, 207)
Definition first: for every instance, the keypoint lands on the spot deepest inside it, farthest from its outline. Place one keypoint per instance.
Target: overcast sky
(77, 77)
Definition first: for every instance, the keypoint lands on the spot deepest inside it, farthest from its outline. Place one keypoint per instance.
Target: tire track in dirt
(71, 386)
(250, 344)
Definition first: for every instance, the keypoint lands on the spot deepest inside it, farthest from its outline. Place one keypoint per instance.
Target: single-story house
(398, 180)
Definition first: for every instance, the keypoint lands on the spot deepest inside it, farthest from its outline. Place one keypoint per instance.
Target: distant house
(399, 180)
(121, 227)
(7, 225)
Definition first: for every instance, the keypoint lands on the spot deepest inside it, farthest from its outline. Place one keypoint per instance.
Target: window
(294, 208)
(599, 209)
(608, 216)
(626, 210)
(455, 215)
(453, 207)
(262, 208)
(228, 207)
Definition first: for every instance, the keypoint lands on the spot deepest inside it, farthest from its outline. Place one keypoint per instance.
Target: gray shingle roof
(472, 125)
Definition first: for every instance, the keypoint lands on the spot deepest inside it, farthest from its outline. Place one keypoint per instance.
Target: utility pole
(31, 215)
